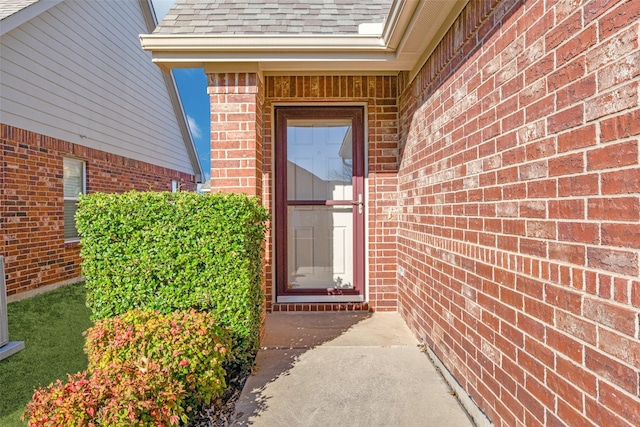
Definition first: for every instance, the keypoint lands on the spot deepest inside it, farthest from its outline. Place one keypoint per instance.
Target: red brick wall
(519, 226)
(380, 95)
(32, 204)
(236, 132)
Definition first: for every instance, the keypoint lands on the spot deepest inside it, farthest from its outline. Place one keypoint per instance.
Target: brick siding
(519, 226)
(379, 93)
(32, 204)
(236, 132)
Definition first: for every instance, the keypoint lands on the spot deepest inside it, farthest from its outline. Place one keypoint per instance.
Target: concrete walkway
(344, 369)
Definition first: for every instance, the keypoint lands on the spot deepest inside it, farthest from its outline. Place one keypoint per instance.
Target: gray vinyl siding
(77, 72)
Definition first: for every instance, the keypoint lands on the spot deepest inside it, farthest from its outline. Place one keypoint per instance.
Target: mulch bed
(221, 411)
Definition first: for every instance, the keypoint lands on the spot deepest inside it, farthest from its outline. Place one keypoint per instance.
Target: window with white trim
(74, 185)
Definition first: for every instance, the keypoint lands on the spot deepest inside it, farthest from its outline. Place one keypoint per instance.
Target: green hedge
(175, 251)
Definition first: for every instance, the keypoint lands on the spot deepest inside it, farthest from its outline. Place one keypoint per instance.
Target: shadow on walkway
(346, 369)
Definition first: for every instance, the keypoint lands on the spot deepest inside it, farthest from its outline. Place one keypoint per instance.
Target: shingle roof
(9, 7)
(244, 17)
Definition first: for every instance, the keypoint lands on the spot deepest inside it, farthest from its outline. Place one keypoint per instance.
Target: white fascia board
(244, 43)
(400, 15)
(291, 62)
(169, 51)
(261, 56)
(20, 17)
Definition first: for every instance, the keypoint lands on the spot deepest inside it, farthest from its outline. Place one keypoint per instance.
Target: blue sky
(192, 88)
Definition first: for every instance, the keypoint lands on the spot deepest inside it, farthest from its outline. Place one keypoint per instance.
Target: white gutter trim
(246, 61)
(392, 19)
(400, 15)
(279, 56)
(23, 15)
(222, 43)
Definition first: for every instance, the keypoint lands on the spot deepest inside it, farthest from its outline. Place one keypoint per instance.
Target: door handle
(360, 203)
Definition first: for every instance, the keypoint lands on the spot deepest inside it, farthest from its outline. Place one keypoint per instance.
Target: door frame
(358, 113)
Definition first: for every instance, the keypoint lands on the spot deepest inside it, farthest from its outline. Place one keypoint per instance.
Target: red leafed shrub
(189, 345)
(128, 394)
(145, 369)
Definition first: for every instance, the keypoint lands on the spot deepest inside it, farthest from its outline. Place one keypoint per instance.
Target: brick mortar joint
(464, 249)
(562, 356)
(233, 90)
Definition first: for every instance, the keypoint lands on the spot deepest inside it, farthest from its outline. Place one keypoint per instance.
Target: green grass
(51, 327)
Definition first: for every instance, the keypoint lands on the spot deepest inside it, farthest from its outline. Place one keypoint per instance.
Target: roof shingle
(9, 7)
(252, 17)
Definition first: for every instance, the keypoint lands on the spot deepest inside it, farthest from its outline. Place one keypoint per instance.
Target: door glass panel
(319, 220)
(320, 247)
(319, 160)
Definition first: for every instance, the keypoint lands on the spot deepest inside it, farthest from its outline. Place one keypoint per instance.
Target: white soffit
(412, 28)
(426, 30)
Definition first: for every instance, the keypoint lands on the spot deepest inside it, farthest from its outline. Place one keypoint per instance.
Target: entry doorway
(320, 204)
